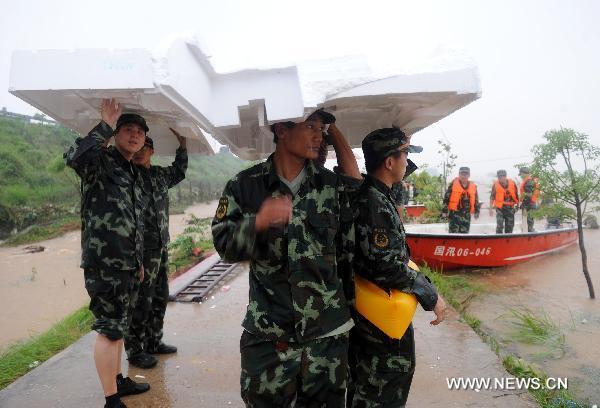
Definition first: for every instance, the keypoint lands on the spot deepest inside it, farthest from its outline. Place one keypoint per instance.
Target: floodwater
(554, 286)
(39, 289)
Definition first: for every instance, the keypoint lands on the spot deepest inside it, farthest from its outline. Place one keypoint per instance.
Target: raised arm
(82, 154)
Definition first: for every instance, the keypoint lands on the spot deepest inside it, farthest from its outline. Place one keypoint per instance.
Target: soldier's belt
(390, 313)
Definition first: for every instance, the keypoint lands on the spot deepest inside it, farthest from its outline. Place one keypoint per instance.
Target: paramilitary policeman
(112, 213)
(460, 201)
(505, 199)
(145, 333)
(530, 191)
(382, 367)
(291, 218)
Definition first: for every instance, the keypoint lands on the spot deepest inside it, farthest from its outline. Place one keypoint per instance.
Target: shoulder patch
(222, 208)
(381, 238)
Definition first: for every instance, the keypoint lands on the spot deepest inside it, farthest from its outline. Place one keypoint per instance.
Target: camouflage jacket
(296, 290)
(113, 202)
(161, 179)
(382, 254)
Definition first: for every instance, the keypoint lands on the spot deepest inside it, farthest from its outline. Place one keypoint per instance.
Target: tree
(449, 162)
(568, 168)
(429, 193)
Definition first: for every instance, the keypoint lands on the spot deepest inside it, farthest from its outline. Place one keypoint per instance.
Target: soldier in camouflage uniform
(145, 332)
(113, 204)
(460, 201)
(382, 367)
(504, 197)
(529, 190)
(291, 219)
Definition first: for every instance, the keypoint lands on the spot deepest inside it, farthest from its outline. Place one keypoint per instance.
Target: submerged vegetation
(530, 328)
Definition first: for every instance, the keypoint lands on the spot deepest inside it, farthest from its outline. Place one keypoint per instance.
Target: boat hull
(414, 210)
(453, 251)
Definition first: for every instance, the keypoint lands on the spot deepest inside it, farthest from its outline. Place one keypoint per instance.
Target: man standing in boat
(382, 367)
(460, 201)
(530, 192)
(505, 199)
(291, 218)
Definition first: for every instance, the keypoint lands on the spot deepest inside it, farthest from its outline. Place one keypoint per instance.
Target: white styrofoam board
(180, 88)
(69, 86)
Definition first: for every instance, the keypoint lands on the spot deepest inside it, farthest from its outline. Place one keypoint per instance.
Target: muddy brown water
(37, 290)
(554, 286)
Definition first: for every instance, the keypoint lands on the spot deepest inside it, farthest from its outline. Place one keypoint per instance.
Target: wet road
(205, 371)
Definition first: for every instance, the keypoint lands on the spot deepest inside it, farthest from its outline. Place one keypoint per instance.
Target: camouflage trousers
(381, 373)
(145, 331)
(311, 374)
(530, 220)
(505, 220)
(112, 296)
(459, 222)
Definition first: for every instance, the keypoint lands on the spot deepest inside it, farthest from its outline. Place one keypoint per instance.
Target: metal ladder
(198, 289)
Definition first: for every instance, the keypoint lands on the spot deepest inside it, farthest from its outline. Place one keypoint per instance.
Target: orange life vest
(536, 189)
(501, 199)
(458, 191)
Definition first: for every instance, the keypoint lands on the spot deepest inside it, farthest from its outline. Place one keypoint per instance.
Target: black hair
(288, 124)
(372, 164)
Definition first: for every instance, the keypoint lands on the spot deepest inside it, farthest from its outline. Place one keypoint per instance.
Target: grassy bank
(51, 230)
(22, 357)
(458, 291)
(191, 245)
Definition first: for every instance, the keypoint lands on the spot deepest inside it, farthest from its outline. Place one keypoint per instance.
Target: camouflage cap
(465, 170)
(501, 173)
(524, 170)
(132, 118)
(381, 143)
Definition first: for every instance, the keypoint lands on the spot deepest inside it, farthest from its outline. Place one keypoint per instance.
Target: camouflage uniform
(382, 367)
(145, 332)
(528, 204)
(112, 209)
(459, 221)
(505, 216)
(295, 336)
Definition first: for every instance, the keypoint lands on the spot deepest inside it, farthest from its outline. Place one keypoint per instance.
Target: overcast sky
(539, 61)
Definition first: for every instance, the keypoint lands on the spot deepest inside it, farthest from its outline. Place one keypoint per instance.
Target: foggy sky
(538, 60)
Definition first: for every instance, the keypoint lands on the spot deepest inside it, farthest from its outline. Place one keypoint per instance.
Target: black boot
(126, 386)
(143, 360)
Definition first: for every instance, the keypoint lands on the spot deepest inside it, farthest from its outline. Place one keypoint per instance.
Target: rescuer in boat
(382, 367)
(112, 212)
(145, 332)
(460, 201)
(291, 218)
(505, 199)
(530, 192)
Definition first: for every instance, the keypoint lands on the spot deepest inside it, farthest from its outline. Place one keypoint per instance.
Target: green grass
(22, 357)
(196, 235)
(546, 398)
(539, 329)
(42, 232)
(457, 290)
